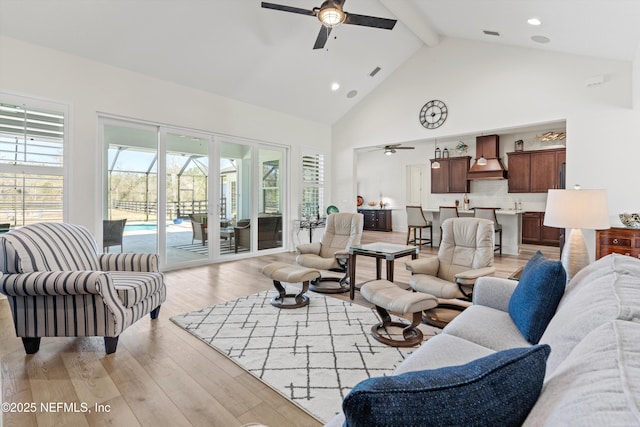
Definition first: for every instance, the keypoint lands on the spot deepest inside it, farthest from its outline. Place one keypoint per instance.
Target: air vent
(491, 33)
(374, 72)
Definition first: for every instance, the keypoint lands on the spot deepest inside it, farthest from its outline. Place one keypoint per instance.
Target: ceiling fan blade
(289, 9)
(370, 21)
(405, 148)
(323, 35)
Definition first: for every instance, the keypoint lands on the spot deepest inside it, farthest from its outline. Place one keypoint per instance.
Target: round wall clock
(433, 114)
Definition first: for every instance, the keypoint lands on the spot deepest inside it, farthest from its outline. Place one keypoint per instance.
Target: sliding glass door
(270, 164)
(186, 183)
(217, 197)
(235, 180)
(130, 219)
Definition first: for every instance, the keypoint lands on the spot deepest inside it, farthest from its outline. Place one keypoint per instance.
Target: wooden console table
(376, 219)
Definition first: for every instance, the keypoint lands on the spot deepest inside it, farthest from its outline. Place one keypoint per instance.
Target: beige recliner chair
(466, 253)
(342, 231)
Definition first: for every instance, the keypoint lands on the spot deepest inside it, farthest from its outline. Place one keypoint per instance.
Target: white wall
(90, 87)
(489, 88)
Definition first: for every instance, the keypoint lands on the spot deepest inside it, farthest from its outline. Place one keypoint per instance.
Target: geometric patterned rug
(313, 355)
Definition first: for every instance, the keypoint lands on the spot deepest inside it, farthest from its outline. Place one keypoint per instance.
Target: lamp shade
(587, 209)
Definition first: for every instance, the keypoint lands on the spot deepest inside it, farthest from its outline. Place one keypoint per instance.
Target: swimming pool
(144, 226)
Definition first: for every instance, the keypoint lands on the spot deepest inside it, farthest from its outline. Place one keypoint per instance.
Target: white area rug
(312, 355)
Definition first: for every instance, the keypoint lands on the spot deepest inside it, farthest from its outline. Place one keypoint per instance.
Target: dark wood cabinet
(519, 172)
(625, 241)
(440, 177)
(376, 219)
(451, 176)
(536, 171)
(534, 231)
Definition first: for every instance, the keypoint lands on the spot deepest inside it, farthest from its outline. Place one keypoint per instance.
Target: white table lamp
(576, 209)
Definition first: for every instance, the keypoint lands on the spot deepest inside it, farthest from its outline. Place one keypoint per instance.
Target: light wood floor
(161, 375)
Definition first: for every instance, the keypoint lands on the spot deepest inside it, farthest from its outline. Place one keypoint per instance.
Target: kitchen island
(510, 219)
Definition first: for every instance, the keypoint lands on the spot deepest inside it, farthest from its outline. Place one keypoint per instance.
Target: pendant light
(436, 163)
(482, 161)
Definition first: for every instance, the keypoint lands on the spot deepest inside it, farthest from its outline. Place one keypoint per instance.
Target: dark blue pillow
(535, 299)
(496, 390)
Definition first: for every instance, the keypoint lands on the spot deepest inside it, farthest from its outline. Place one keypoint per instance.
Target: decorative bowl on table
(332, 209)
(630, 220)
(372, 203)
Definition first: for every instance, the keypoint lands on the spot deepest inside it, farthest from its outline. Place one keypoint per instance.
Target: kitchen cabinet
(451, 177)
(625, 241)
(536, 171)
(376, 219)
(534, 231)
(519, 172)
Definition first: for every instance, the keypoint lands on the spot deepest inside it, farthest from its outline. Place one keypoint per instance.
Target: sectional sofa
(591, 376)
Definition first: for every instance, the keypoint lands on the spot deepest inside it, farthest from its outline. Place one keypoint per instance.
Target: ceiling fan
(390, 149)
(330, 14)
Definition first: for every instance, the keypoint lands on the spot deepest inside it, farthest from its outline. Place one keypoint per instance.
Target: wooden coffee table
(387, 251)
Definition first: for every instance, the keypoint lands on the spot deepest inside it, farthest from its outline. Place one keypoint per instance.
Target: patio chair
(113, 233)
(199, 228)
(242, 235)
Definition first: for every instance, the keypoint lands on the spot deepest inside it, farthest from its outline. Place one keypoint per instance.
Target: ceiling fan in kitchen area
(331, 14)
(391, 149)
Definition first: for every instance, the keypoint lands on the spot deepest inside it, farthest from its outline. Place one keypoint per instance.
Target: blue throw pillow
(535, 299)
(496, 390)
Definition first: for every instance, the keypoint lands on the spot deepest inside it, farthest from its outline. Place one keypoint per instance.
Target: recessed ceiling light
(534, 21)
(540, 39)
(335, 86)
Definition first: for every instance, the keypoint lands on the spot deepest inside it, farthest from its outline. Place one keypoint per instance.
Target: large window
(312, 186)
(32, 141)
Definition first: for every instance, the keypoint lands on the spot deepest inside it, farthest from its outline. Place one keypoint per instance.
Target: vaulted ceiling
(237, 49)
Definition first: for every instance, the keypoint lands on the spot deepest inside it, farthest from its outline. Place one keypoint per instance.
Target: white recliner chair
(465, 254)
(331, 253)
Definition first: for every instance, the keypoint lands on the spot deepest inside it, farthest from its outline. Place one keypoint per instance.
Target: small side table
(387, 251)
(516, 274)
(311, 224)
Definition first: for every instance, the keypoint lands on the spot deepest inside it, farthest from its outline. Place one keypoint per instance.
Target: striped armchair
(59, 286)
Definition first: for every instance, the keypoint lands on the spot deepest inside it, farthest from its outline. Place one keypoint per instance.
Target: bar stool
(417, 222)
(447, 212)
(490, 213)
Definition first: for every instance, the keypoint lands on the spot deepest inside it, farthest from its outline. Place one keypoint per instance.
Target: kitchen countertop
(471, 211)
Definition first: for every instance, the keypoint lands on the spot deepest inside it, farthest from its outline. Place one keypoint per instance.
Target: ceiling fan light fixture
(330, 15)
(482, 161)
(389, 151)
